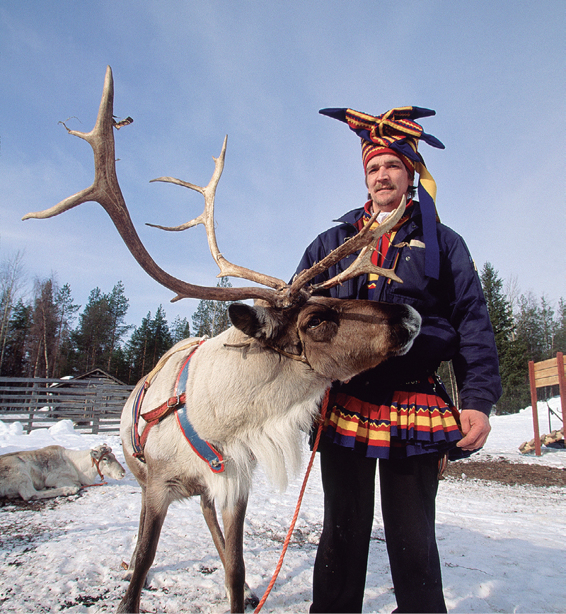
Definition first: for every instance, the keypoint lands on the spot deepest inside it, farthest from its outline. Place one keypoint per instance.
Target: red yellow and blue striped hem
(413, 423)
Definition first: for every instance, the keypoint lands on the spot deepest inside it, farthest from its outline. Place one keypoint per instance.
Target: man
(399, 413)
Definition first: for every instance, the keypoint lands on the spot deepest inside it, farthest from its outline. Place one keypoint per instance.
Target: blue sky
(191, 72)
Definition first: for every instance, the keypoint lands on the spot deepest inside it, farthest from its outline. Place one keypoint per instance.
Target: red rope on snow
(300, 500)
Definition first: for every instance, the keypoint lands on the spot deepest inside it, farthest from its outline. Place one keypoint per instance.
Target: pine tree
(16, 357)
(93, 333)
(118, 306)
(499, 308)
(147, 344)
(541, 334)
(136, 350)
(161, 337)
(548, 327)
(100, 329)
(529, 329)
(560, 335)
(66, 310)
(11, 279)
(513, 367)
(211, 317)
(180, 329)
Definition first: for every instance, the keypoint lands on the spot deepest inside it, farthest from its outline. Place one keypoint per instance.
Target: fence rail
(93, 405)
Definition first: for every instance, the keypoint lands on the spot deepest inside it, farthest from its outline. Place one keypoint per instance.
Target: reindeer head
(336, 338)
(100, 451)
(106, 462)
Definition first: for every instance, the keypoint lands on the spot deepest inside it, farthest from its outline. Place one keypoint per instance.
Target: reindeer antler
(206, 218)
(364, 240)
(106, 191)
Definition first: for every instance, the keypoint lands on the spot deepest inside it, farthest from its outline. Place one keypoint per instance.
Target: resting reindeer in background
(55, 471)
(247, 393)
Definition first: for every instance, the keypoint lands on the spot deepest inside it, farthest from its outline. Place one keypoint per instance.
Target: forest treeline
(44, 333)
(526, 328)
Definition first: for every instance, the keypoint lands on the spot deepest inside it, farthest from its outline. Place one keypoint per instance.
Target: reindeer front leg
(155, 504)
(234, 567)
(209, 513)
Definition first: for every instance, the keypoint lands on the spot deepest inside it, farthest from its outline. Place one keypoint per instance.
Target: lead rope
(323, 409)
(97, 463)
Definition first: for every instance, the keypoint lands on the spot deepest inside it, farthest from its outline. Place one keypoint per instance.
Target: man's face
(387, 180)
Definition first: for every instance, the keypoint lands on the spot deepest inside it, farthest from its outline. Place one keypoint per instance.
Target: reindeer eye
(314, 322)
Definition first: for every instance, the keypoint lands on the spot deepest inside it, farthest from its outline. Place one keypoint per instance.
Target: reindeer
(55, 471)
(248, 392)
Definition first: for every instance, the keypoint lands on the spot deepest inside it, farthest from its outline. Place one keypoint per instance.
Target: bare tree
(11, 282)
(66, 310)
(513, 292)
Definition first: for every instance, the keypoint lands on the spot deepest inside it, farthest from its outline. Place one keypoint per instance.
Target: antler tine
(103, 150)
(206, 218)
(363, 264)
(365, 241)
(106, 191)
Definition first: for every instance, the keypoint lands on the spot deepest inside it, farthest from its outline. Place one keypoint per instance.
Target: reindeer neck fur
(82, 462)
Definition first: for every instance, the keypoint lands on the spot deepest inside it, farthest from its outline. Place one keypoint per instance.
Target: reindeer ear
(100, 451)
(257, 321)
(245, 318)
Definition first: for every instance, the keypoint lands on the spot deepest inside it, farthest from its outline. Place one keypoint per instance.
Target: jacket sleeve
(476, 362)
(314, 253)
(319, 249)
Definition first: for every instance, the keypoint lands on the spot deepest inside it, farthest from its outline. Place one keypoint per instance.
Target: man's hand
(475, 428)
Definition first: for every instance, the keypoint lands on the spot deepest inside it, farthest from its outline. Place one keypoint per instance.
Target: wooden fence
(93, 405)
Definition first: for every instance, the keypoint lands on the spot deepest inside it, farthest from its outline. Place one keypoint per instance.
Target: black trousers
(408, 494)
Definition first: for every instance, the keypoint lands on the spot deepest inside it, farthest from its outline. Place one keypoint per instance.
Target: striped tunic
(417, 419)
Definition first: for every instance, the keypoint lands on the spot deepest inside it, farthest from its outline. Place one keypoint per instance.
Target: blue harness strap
(201, 447)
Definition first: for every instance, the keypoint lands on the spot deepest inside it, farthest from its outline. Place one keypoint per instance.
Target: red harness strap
(154, 416)
(97, 463)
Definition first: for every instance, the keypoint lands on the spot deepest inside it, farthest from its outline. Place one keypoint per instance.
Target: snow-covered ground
(502, 546)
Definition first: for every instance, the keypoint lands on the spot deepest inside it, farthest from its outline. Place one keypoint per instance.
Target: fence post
(32, 407)
(95, 421)
(534, 406)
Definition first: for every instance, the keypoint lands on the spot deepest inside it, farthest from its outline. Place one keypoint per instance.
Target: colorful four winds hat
(396, 132)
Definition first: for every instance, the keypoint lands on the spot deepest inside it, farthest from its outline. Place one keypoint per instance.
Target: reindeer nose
(413, 320)
(405, 325)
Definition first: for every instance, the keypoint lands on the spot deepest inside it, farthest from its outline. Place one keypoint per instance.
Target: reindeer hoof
(250, 599)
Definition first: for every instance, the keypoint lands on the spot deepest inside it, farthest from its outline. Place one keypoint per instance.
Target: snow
(502, 547)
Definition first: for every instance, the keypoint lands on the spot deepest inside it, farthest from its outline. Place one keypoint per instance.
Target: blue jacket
(455, 325)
